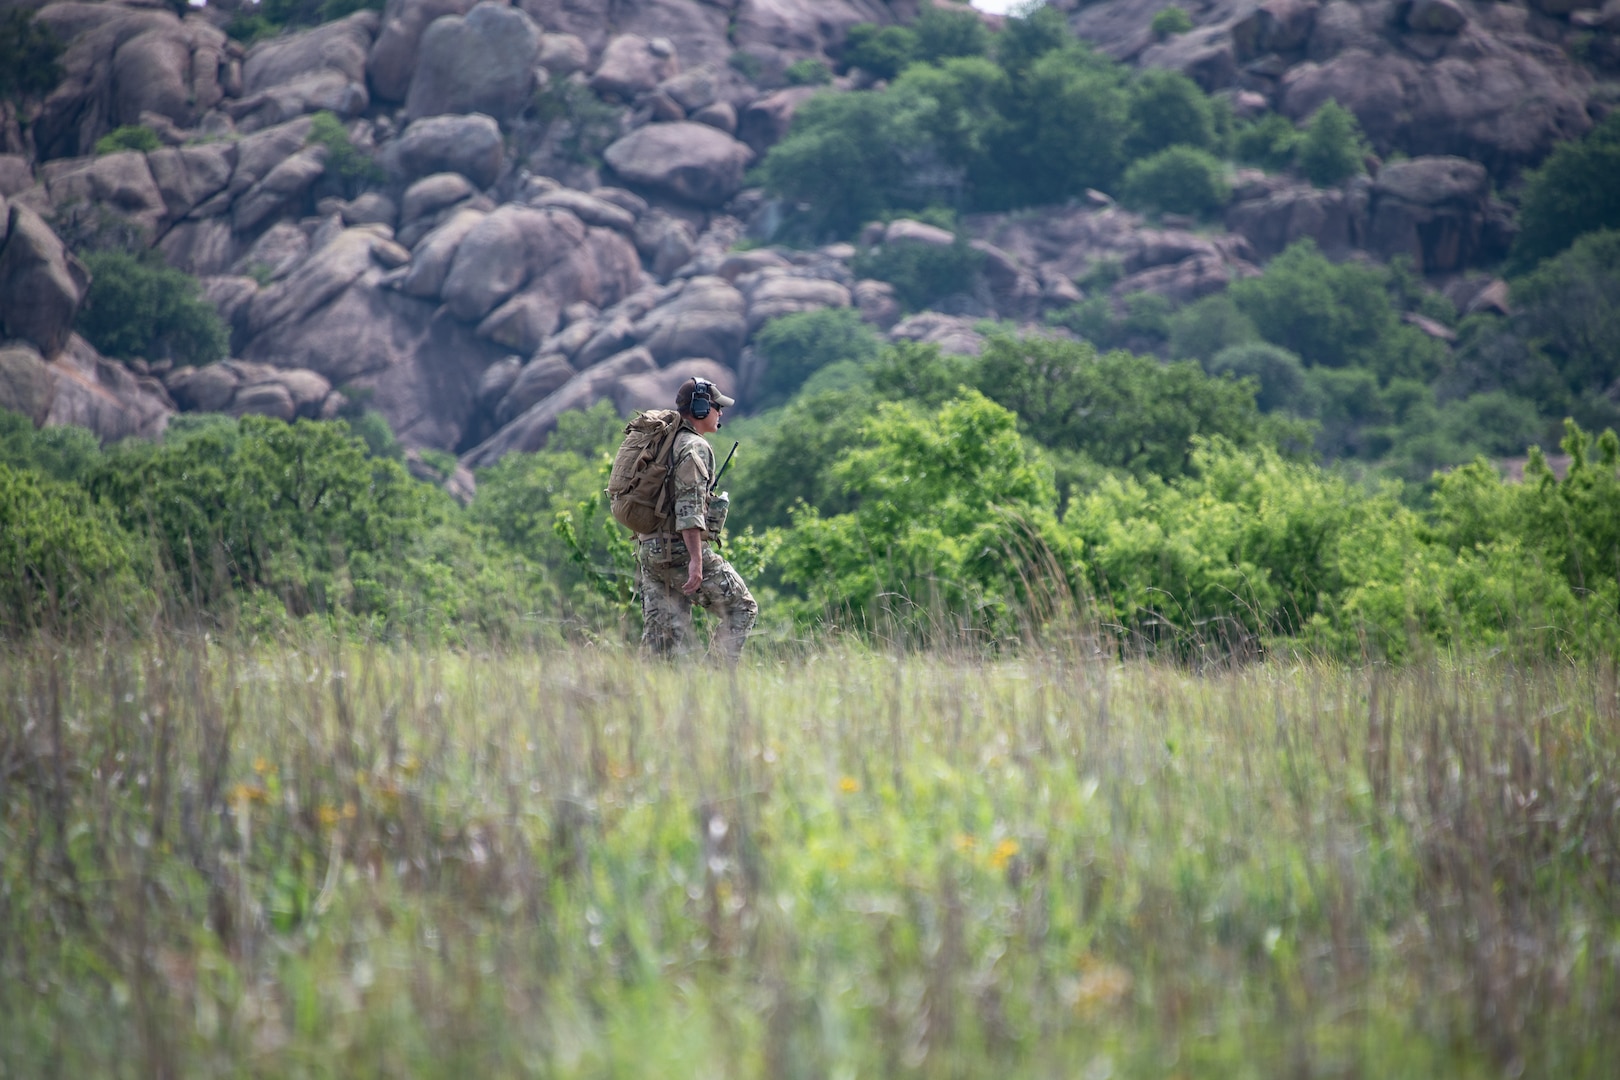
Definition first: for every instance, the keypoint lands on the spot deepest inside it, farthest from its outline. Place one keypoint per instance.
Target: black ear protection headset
(702, 398)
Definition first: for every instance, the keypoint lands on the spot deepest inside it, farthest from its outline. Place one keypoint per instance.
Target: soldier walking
(678, 564)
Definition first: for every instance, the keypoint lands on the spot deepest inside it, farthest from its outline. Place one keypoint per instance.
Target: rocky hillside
(530, 208)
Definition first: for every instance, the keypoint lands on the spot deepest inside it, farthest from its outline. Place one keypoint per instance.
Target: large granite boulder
(26, 385)
(470, 145)
(393, 55)
(502, 252)
(41, 283)
(483, 62)
(121, 182)
(1434, 209)
(528, 432)
(123, 61)
(631, 65)
(320, 68)
(103, 395)
(691, 162)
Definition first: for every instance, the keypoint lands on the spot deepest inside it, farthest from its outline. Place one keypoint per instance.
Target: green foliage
(1168, 109)
(922, 274)
(1270, 142)
(59, 453)
(882, 52)
(853, 156)
(1143, 326)
(808, 72)
(943, 34)
(589, 124)
(1121, 411)
(343, 159)
(269, 17)
(951, 527)
(1204, 327)
(1573, 192)
(746, 64)
(1335, 315)
(29, 54)
(1332, 149)
(61, 559)
(139, 307)
(1065, 121)
(1169, 22)
(1029, 36)
(1569, 309)
(1178, 180)
(128, 137)
(787, 455)
(1277, 373)
(797, 346)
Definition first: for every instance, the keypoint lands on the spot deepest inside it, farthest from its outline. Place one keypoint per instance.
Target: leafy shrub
(787, 455)
(128, 137)
(343, 159)
(1168, 109)
(1169, 22)
(1573, 192)
(808, 72)
(1269, 142)
(1178, 180)
(1204, 327)
(1334, 315)
(1063, 129)
(922, 274)
(61, 559)
(269, 17)
(1568, 316)
(746, 64)
(795, 347)
(882, 52)
(952, 524)
(589, 124)
(1121, 411)
(942, 34)
(1332, 149)
(1144, 325)
(1277, 373)
(29, 54)
(138, 307)
(62, 452)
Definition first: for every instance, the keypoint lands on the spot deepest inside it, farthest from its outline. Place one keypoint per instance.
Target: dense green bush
(1569, 310)
(1277, 373)
(1269, 142)
(808, 72)
(952, 527)
(1169, 22)
(29, 55)
(922, 274)
(128, 137)
(1335, 315)
(1204, 327)
(57, 453)
(881, 51)
(266, 18)
(1168, 109)
(795, 347)
(1178, 180)
(353, 168)
(1573, 192)
(61, 558)
(139, 307)
(1332, 148)
(1143, 325)
(943, 33)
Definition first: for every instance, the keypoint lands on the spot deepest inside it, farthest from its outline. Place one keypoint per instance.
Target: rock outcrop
(691, 162)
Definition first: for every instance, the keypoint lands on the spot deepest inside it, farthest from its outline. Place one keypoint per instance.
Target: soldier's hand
(694, 577)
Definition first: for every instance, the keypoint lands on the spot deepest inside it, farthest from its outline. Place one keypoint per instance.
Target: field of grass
(320, 859)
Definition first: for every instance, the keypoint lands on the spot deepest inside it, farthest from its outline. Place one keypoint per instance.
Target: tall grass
(318, 858)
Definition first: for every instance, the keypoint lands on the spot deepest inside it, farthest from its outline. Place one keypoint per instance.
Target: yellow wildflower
(1003, 853)
(327, 815)
(964, 843)
(849, 785)
(410, 765)
(263, 767)
(242, 794)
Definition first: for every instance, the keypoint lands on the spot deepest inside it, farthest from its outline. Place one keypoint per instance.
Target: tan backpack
(638, 488)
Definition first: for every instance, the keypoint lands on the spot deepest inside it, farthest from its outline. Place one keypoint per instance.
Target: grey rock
(693, 90)
(393, 55)
(764, 122)
(720, 115)
(529, 431)
(16, 174)
(779, 293)
(1436, 16)
(433, 193)
(121, 182)
(656, 389)
(430, 265)
(497, 380)
(587, 208)
(705, 319)
(905, 230)
(666, 243)
(877, 303)
(188, 175)
(201, 247)
(285, 185)
(692, 162)
(539, 379)
(631, 66)
(275, 253)
(563, 54)
(470, 145)
(103, 395)
(264, 399)
(26, 385)
(1276, 26)
(41, 283)
(502, 252)
(953, 334)
(483, 62)
(627, 201)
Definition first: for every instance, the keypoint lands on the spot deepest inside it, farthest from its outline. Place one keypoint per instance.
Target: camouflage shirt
(693, 462)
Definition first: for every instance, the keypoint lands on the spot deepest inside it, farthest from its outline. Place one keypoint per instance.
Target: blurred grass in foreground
(316, 859)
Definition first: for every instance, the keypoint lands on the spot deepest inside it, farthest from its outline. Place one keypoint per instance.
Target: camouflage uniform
(662, 558)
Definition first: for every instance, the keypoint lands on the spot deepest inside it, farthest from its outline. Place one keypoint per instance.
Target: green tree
(942, 34)
(1169, 22)
(61, 558)
(797, 346)
(1026, 38)
(1573, 192)
(808, 72)
(63, 452)
(882, 52)
(1178, 180)
(1204, 327)
(1168, 109)
(138, 307)
(851, 157)
(1277, 373)
(1121, 411)
(344, 160)
(952, 525)
(1064, 126)
(1332, 149)
(1569, 310)
(1270, 142)
(29, 55)
(922, 274)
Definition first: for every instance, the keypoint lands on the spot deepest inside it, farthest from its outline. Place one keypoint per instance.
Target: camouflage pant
(667, 612)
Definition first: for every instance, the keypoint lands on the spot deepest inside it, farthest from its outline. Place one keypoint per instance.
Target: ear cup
(701, 400)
